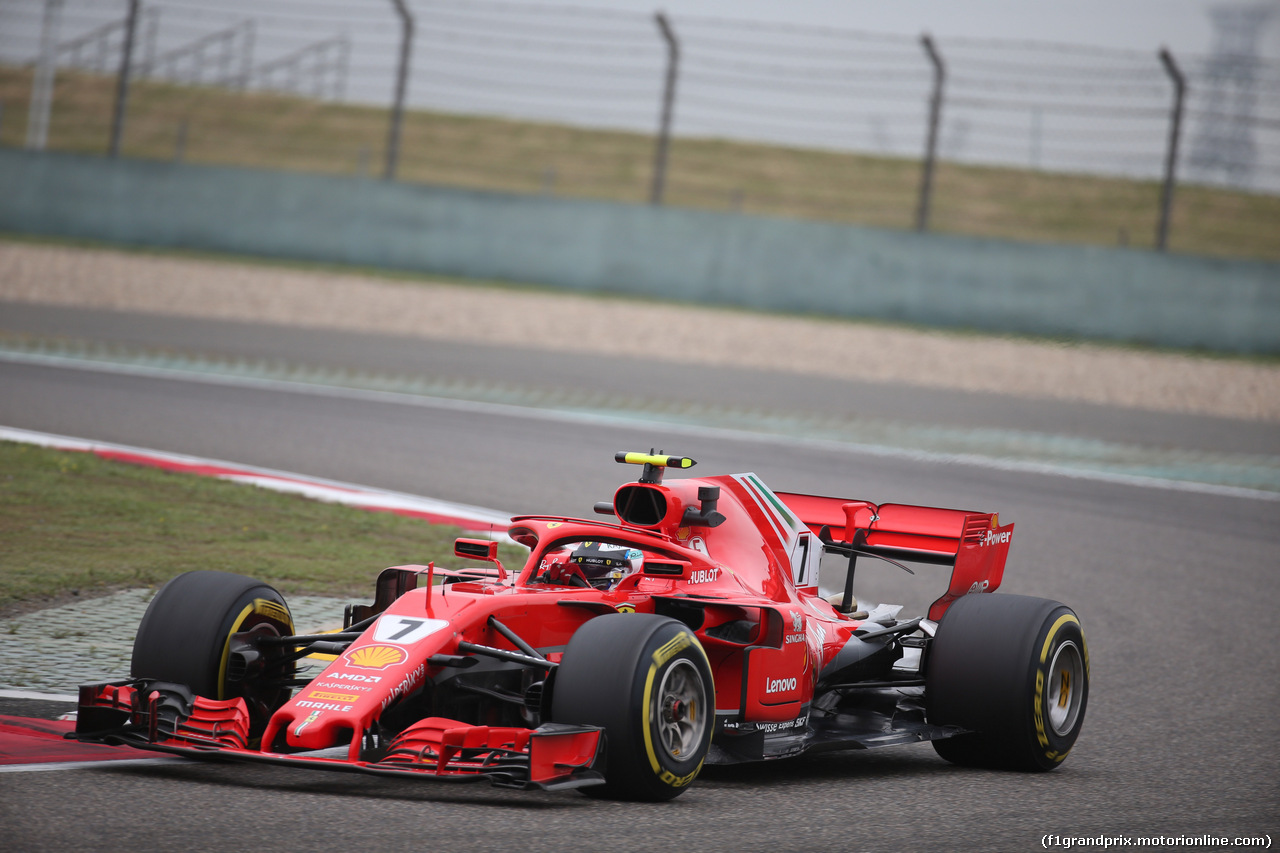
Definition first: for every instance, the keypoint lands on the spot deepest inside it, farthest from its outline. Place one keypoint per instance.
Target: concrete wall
(758, 262)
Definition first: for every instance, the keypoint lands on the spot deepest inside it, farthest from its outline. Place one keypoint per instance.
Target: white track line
(604, 420)
(85, 765)
(472, 518)
(44, 697)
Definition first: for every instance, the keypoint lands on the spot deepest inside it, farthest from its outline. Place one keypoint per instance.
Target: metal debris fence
(1022, 140)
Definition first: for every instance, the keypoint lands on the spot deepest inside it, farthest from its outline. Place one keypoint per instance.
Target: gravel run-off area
(526, 317)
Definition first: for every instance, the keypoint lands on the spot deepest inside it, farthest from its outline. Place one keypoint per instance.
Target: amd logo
(354, 676)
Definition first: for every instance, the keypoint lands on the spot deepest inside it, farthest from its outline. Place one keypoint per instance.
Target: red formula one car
(622, 656)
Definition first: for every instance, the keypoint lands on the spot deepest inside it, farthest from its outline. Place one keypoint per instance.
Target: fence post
(42, 83)
(247, 43)
(402, 79)
(931, 143)
(668, 104)
(344, 67)
(122, 81)
(1171, 156)
(147, 67)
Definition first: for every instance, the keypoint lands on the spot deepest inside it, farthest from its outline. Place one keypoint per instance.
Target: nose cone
(340, 704)
(325, 724)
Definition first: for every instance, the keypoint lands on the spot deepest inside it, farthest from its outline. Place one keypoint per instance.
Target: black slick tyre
(1014, 671)
(185, 637)
(645, 679)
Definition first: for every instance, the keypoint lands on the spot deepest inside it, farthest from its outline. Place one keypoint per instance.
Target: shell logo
(376, 657)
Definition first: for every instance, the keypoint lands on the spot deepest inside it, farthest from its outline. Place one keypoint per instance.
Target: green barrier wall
(717, 258)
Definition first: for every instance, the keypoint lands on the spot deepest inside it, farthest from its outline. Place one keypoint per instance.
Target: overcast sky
(1184, 26)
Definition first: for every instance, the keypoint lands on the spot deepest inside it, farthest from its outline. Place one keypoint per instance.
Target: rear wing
(973, 543)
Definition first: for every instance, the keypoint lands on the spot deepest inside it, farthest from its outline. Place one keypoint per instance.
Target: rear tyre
(185, 637)
(1014, 671)
(646, 680)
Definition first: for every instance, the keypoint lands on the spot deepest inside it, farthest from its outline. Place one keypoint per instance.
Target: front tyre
(186, 637)
(646, 680)
(1014, 671)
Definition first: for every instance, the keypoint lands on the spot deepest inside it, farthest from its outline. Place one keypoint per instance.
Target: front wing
(165, 717)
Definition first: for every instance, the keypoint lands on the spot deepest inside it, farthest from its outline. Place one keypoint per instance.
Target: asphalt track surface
(1176, 591)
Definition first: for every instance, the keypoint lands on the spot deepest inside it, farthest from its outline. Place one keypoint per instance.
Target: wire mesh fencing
(1031, 141)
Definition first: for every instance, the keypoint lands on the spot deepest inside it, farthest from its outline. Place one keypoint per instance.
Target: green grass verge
(73, 523)
(217, 126)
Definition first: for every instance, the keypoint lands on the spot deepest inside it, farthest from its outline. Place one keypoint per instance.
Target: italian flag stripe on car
(783, 522)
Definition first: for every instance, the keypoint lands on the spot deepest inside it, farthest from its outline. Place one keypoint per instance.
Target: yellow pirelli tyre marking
(1053, 632)
(1038, 708)
(668, 649)
(262, 606)
(664, 653)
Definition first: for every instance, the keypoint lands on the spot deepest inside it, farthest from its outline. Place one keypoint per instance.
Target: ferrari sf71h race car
(622, 656)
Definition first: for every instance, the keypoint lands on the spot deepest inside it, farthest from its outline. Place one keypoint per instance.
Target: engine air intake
(640, 505)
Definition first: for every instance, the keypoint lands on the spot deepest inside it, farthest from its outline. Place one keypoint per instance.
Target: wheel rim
(1066, 688)
(680, 714)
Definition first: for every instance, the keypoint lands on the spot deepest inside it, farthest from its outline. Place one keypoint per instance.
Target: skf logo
(779, 685)
(376, 657)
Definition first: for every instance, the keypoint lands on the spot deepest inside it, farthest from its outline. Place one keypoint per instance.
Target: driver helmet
(603, 564)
